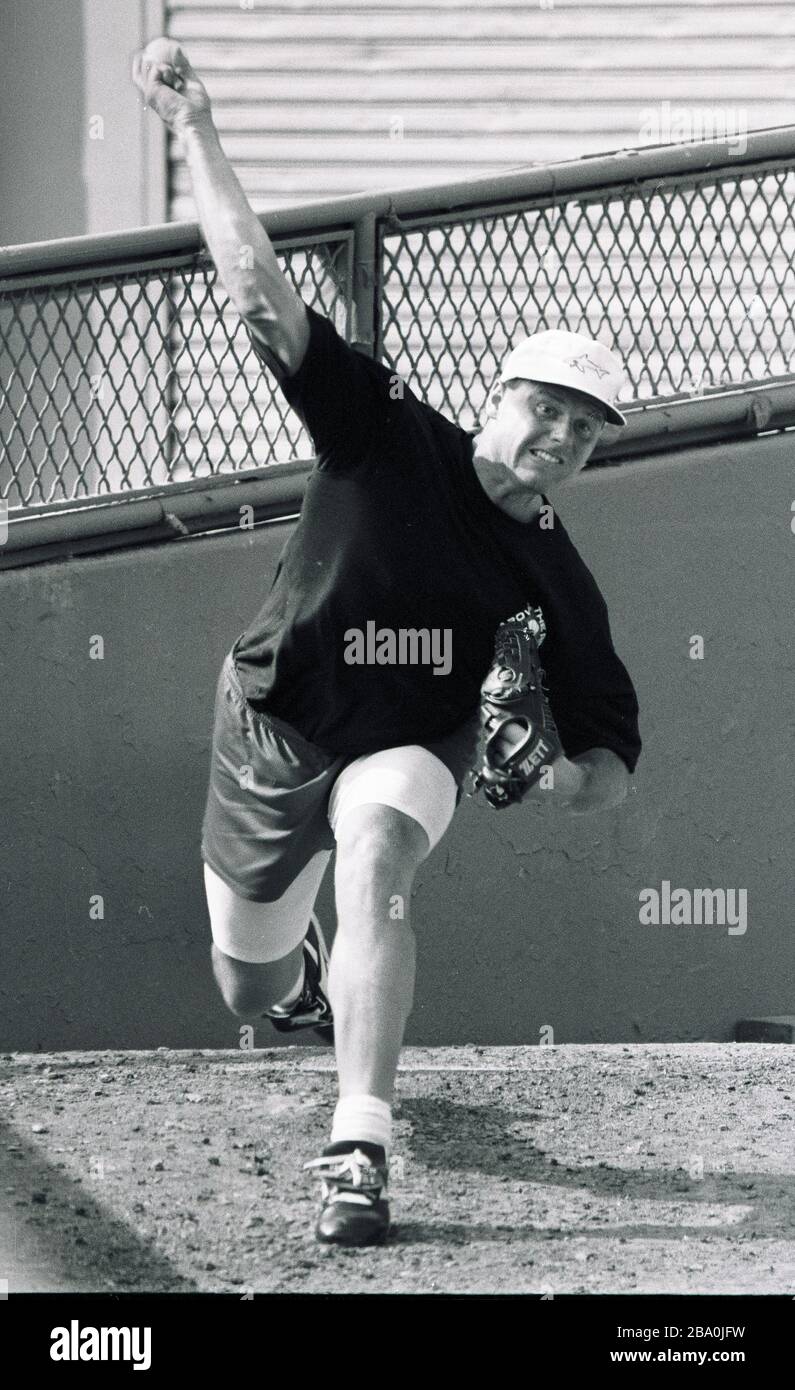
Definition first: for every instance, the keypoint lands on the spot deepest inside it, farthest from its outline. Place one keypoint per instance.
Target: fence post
(366, 279)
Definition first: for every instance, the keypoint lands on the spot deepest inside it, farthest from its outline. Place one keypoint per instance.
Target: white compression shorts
(409, 778)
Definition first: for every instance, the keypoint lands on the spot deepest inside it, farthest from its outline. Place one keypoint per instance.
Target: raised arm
(240, 248)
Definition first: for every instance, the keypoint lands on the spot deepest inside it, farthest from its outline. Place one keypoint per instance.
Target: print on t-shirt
(534, 614)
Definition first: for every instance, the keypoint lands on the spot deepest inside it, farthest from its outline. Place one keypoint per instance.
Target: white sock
(295, 993)
(363, 1117)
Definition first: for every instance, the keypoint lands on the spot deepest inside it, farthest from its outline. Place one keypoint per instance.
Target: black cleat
(354, 1210)
(312, 1009)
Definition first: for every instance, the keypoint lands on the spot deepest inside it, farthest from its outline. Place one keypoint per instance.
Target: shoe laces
(349, 1172)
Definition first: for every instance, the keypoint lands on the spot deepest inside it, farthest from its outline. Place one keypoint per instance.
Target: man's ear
(494, 399)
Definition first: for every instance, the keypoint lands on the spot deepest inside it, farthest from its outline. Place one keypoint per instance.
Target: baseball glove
(518, 733)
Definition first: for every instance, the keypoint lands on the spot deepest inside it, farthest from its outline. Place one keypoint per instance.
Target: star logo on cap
(584, 364)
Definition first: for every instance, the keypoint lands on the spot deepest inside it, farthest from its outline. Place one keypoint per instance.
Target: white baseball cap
(569, 359)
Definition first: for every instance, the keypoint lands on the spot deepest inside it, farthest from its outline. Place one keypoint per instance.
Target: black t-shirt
(396, 532)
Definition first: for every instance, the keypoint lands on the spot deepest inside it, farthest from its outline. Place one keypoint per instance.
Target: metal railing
(125, 374)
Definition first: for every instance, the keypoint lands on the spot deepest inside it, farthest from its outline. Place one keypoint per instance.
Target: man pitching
(348, 712)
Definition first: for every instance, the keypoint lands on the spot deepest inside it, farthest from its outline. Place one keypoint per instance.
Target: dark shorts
(266, 814)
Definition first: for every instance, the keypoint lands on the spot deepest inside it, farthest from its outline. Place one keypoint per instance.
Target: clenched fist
(169, 84)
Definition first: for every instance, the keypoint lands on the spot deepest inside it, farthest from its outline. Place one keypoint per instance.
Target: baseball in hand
(169, 84)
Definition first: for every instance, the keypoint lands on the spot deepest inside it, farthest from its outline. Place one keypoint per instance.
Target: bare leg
(373, 960)
(248, 989)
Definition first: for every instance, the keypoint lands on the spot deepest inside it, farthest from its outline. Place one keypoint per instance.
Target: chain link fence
(126, 381)
(118, 379)
(694, 287)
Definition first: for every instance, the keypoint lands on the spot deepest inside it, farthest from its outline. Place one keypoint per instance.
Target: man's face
(540, 434)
